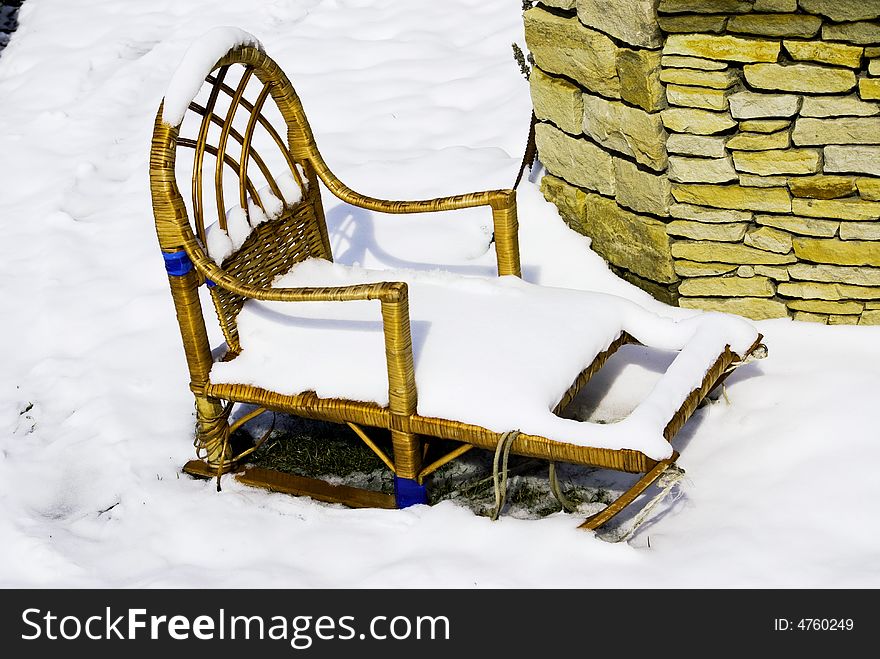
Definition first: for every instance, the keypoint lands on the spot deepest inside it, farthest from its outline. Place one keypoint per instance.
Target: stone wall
(722, 154)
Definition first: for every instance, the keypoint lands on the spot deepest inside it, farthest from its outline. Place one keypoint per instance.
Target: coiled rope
(217, 430)
(499, 477)
(567, 505)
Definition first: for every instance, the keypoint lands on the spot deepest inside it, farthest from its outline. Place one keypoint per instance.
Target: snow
(237, 227)
(218, 243)
(290, 190)
(197, 63)
(498, 353)
(221, 243)
(407, 100)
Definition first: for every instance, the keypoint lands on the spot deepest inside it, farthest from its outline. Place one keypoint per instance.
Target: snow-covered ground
(407, 99)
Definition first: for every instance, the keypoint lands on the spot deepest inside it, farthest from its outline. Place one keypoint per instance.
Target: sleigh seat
(483, 362)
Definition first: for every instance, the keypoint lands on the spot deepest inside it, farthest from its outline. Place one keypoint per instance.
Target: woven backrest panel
(243, 147)
(271, 250)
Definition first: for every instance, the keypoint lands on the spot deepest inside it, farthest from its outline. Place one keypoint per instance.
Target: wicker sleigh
(298, 234)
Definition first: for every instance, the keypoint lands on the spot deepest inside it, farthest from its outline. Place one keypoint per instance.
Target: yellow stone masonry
(721, 154)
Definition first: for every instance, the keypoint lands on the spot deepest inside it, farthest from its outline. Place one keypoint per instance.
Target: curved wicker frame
(299, 233)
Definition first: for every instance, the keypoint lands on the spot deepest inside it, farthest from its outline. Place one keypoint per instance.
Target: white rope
(499, 476)
(760, 352)
(671, 476)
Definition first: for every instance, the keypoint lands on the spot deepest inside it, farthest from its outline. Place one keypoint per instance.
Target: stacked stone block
(598, 96)
(722, 154)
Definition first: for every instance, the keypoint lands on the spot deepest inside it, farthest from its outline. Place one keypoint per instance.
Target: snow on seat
(497, 353)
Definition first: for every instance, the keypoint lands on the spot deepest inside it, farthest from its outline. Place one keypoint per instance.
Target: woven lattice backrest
(241, 151)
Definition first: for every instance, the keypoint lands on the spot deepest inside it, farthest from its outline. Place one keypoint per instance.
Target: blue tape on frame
(177, 264)
(408, 492)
